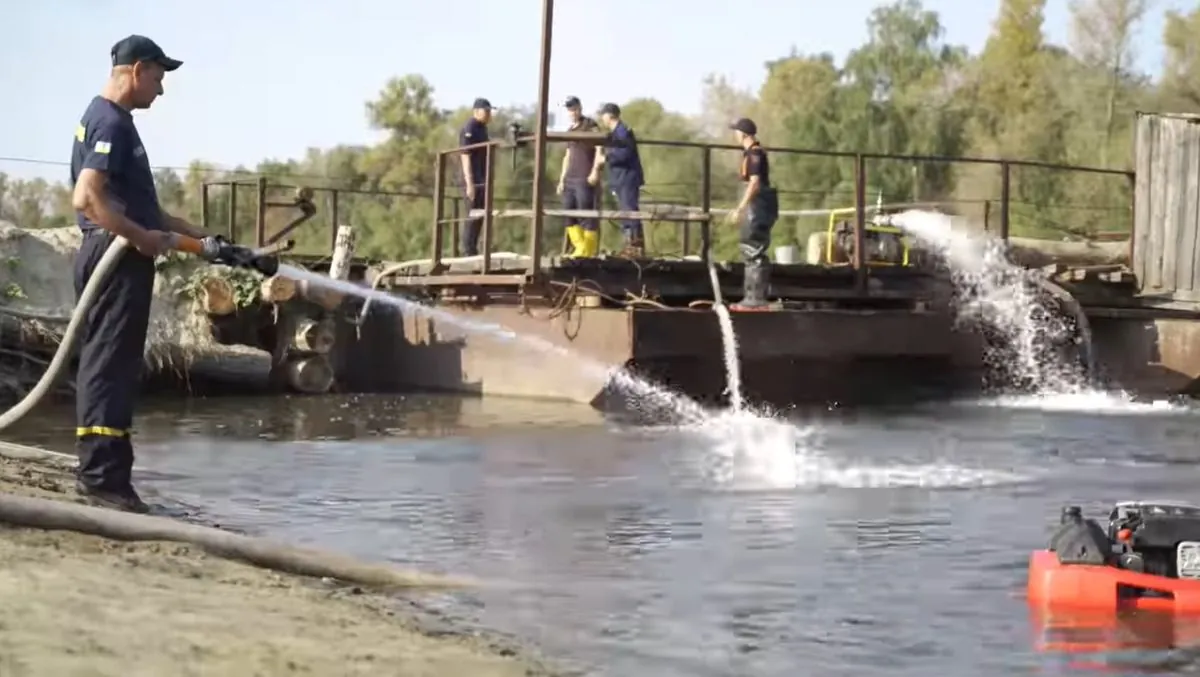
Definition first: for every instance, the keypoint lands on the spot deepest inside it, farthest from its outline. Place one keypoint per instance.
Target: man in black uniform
(575, 184)
(625, 176)
(757, 212)
(474, 170)
(113, 195)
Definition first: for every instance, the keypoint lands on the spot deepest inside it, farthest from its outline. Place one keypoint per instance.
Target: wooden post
(339, 269)
(343, 253)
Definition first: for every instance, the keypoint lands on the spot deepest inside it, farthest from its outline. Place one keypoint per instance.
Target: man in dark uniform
(474, 170)
(757, 212)
(625, 176)
(575, 184)
(114, 194)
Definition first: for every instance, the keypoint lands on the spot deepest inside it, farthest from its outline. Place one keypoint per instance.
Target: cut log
(323, 296)
(278, 289)
(310, 375)
(233, 365)
(314, 336)
(217, 296)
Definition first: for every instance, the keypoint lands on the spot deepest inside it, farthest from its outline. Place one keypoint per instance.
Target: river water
(893, 543)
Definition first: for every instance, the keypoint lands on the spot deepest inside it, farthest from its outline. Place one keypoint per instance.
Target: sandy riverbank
(79, 605)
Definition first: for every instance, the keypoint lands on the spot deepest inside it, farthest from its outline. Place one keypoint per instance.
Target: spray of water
(999, 295)
(729, 348)
(646, 396)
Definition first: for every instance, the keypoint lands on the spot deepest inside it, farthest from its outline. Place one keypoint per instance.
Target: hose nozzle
(216, 249)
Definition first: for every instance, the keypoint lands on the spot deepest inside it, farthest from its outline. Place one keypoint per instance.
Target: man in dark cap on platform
(757, 213)
(575, 183)
(625, 176)
(113, 194)
(474, 170)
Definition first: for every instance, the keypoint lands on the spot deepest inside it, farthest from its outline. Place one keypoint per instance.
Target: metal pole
(539, 140)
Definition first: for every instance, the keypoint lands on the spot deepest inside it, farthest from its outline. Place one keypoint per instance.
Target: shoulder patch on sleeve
(103, 147)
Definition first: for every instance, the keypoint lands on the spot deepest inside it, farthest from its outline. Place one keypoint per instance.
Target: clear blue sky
(269, 78)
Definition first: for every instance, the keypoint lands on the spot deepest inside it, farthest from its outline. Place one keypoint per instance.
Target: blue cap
(482, 103)
(137, 48)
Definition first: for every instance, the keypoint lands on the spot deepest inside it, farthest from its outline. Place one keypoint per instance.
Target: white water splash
(750, 453)
(997, 293)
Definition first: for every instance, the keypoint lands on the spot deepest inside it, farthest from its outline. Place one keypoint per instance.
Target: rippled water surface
(884, 543)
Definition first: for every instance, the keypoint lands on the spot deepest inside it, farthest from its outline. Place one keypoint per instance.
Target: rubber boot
(575, 236)
(756, 278)
(589, 246)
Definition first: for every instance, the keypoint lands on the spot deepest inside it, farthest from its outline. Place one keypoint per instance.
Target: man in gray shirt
(576, 186)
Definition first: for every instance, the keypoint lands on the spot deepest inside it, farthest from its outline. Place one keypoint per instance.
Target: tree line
(906, 91)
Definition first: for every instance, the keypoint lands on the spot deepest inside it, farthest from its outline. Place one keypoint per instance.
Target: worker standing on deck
(576, 185)
(114, 195)
(625, 176)
(474, 170)
(757, 213)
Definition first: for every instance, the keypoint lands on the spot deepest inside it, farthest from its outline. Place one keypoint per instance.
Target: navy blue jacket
(107, 141)
(624, 163)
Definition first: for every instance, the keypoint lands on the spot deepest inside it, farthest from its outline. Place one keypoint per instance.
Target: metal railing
(702, 215)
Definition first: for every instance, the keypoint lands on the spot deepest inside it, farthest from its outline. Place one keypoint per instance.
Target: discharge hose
(211, 249)
(62, 356)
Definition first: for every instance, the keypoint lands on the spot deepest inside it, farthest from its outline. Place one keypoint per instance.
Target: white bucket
(786, 254)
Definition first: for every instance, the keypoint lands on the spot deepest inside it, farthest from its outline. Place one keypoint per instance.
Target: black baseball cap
(572, 102)
(611, 109)
(137, 48)
(482, 104)
(745, 126)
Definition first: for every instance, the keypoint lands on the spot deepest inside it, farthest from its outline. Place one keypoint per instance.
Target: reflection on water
(610, 549)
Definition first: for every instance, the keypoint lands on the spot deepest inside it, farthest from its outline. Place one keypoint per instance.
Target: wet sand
(80, 605)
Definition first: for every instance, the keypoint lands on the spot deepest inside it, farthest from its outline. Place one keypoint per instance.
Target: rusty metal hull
(788, 357)
(1148, 356)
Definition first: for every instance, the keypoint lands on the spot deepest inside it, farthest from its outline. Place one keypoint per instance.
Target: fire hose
(212, 249)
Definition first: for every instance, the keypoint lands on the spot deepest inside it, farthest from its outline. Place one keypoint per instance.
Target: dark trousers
(627, 201)
(579, 195)
(113, 341)
(472, 227)
(755, 237)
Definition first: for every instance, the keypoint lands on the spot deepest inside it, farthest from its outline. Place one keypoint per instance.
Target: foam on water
(750, 452)
(1091, 402)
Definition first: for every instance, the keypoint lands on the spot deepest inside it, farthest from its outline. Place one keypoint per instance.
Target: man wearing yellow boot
(576, 187)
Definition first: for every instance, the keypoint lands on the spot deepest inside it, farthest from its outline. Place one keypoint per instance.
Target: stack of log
(306, 322)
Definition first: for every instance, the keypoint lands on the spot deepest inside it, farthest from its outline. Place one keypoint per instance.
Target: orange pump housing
(1106, 589)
